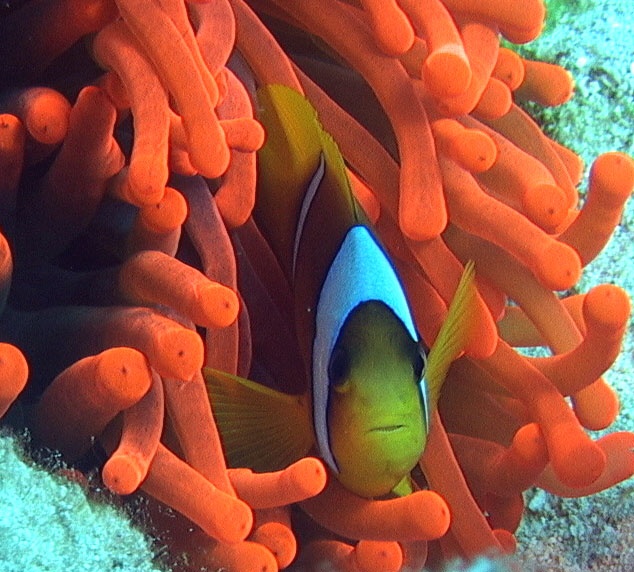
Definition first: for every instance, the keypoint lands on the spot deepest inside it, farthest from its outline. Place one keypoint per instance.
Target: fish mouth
(387, 428)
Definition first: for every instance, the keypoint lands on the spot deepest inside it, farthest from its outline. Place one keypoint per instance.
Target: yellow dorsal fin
(291, 150)
(454, 333)
(260, 428)
(296, 137)
(335, 160)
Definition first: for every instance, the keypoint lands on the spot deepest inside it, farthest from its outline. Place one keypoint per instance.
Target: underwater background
(594, 40)
(48, 525)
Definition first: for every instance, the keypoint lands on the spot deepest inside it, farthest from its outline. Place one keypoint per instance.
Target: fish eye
(339, 367)
(420, 364)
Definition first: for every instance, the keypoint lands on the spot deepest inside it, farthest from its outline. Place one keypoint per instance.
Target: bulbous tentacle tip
(529, 443)
(122, 474)
(447, 72)
(219, 304)
(507, 540)
(393, 31)
(125, 372)
(546, 205)
(372, 555)
(244, 556)
(559, 267)
(577, 461)
(182, 354)
(14, 371)
(243, 134)
(436, 511)
(597, 406)
(309, 475)
(607, 307)
(613, 174)
(279, 540)
(165, 214)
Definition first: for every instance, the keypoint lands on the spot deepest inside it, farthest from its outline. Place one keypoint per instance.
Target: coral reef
(128, 141)
(42, 509)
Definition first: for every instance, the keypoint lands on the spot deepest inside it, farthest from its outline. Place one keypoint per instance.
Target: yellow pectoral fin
(404, 487)
(260, 428)
(454, 333)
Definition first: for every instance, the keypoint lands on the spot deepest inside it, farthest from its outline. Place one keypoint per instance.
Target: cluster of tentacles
(122, 213)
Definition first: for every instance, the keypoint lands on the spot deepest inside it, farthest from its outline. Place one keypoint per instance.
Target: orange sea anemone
(128, 133)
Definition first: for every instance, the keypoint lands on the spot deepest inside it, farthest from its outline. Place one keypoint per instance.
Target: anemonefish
(372, 384)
